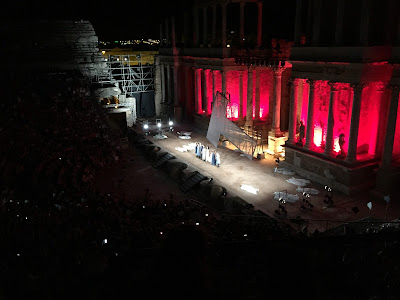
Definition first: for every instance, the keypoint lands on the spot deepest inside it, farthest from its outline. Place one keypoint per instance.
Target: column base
(276, 144)
(276, 132)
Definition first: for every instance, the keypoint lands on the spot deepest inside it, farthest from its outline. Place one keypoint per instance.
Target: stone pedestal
(276, 144)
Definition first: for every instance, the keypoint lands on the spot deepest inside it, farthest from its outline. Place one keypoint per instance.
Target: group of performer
(206, 154)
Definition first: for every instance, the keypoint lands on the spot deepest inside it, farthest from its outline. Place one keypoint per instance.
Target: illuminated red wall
(265, 86)
(321, 105)
(232, 87)
(342, 115)
(304, 103)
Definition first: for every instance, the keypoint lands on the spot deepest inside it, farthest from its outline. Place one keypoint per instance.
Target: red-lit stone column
(197, 100)
(310, 116)
(390, 128)
(257, 100)
(259, 25)
(240, 95)
(223, 82)
(249, 113)
(276, 117)
(242, 3)
(329, 129)
(214, 87)
(223, 29)
(293, 82)
(205, 27)
(204, 92)
(354, 123)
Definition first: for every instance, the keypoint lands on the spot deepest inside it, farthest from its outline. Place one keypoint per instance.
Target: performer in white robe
(208, 154)
(217, 159)
(203, 153)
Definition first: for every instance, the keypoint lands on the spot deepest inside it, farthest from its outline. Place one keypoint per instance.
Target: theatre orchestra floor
(134, 170)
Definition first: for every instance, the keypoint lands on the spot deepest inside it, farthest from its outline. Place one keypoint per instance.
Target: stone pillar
(197, 86)
(223, 29)
(214, 24)
(214, 75)
(316, 22)
(242, 3)
(169, 90)
(354, 123)
(205, 26)
(293, 110)
(163, 82)
(276, 117)
(297, 28)
(204, 91)
(249, 113)
(166, 32)
(175, 82)
(390, 128)
(310, 116)
(259, 24)
(364, 23)
(339, 22)
(158, 84)
(195, 26)
(223, 81)
(257, 102)
(240, 96)
(331, 121)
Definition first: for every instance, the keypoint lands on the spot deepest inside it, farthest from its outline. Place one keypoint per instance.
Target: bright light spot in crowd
(104, 241)
(206, 215)
(183, 222)
(197, 224)
(158, 124)
(245, 234)
(103, 52)
(144, 206)
(249, 188)
(170, 123)
(59, 158)
(18, 254)
(145, 126)
(160, 232)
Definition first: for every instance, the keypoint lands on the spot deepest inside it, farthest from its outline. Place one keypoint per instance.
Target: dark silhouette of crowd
(62, 239)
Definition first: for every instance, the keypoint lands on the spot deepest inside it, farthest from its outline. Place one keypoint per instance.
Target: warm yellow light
(103, 52)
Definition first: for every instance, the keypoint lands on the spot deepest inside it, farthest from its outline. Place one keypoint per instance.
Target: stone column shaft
(240, 96)
(390, 128)
(259, 24)
(204, 92)
(223, 81)
(214, 87)
(249, 112)
(197, 81)
(354, 124)
(310, 117)
(257, 102)
(293, 111)
(276, 117)
(331, 122)
(169, 90)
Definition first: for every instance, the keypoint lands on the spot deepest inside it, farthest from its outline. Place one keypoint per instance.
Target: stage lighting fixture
(145, 126)
(158, 125)
(170, 123)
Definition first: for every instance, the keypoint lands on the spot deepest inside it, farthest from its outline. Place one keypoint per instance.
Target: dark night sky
(128, 19)
(112, 19)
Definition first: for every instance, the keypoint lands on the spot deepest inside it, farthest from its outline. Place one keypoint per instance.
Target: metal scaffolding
(129, 71)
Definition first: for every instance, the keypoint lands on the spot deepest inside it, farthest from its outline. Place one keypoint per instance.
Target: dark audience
(62, 239)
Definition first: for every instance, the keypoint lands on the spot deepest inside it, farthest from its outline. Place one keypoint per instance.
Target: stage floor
(237, 170)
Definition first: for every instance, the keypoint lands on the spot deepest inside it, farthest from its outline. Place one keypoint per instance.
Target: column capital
(278, 71)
